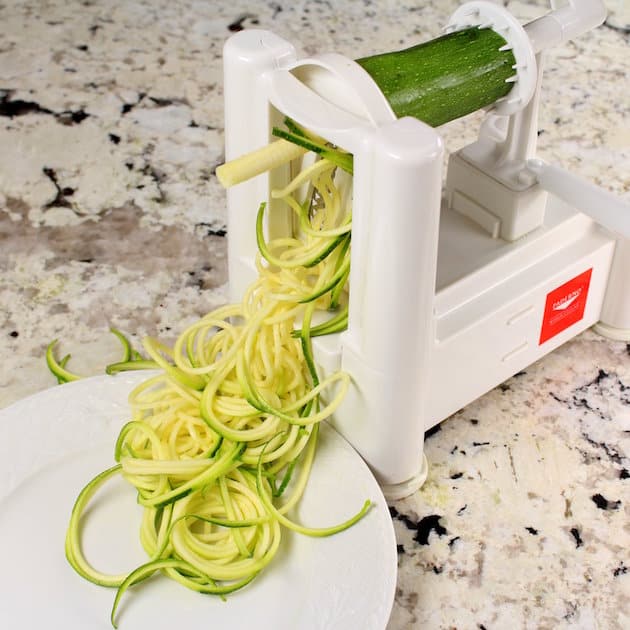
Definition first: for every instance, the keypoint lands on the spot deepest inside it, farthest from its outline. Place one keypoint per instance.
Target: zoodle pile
(221, 442)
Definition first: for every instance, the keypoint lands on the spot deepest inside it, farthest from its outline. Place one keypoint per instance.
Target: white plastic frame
(431, 327)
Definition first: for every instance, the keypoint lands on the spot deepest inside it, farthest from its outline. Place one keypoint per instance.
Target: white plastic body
(440, 310)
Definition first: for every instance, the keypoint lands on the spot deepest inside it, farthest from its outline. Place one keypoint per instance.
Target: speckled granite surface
(110, 214)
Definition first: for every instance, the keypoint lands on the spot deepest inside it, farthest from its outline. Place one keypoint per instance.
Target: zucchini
(446, 78)
(436, 82)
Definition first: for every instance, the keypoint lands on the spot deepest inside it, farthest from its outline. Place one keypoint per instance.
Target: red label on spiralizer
(565, 306)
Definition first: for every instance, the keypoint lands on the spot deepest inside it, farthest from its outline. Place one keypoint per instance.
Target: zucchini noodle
(214, 440)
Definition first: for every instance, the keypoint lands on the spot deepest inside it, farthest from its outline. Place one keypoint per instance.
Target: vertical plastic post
(247, 57)
(615, 316)
(386, 350)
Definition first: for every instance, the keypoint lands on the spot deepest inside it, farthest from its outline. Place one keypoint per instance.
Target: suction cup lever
(607, 209)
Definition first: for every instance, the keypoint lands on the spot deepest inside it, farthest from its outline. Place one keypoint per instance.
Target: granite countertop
(110, 214)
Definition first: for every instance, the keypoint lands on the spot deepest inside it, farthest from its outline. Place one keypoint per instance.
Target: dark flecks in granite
(504, 387)
(432, 431)
(127, 107)
(575, 532)
(158, 178)
(18, 107)
(453, 540)
(200, 279)
(209, 229)
(599, 386)
(610, 451)
(571, 612)
(604, 504)
(83, 47)
(238, 23)
(481, 626)
(480, 443)
(426, 526)
(60, 198)
(582, 402)
(474, 421)
(532, 530)
(456, 449)
(578, 398)
(437, 570)
(457, 475)
(71, 117)
(592, 399)
(622, 569)
(624, 474)
(14, 334)
(462, 509)
(423, 527)
(400, 549)
(165, 102)
(114, 138)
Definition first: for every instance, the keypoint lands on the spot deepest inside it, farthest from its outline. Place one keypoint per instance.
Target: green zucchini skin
(445, 78)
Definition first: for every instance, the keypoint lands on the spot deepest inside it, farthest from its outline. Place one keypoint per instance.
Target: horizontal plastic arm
(565, 23)
(607, 209)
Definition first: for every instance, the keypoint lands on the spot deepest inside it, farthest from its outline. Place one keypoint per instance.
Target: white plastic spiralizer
(452, 290)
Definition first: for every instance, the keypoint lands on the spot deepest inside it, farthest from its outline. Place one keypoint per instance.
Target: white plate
(52, 443)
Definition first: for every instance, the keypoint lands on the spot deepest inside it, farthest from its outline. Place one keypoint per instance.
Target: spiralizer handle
(607, 209)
